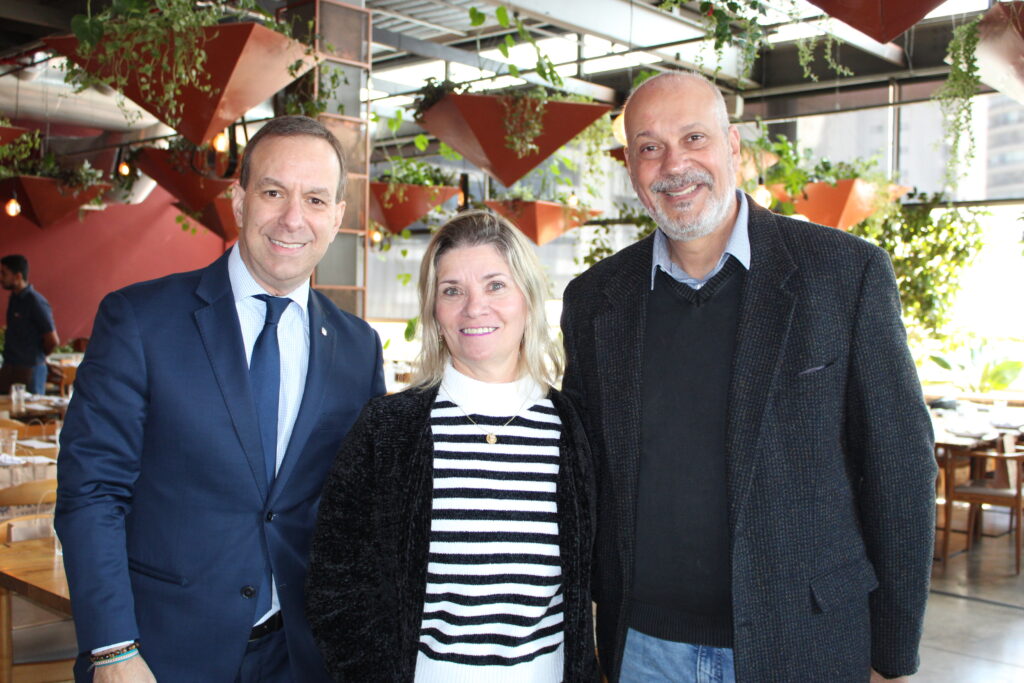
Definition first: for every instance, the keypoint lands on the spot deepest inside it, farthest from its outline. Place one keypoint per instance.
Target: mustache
(679, 181)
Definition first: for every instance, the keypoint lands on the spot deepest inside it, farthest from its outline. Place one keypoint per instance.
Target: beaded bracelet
(130, 647)
(118, 658)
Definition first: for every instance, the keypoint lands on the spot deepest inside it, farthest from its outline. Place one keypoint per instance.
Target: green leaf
(410, 328)
(476, 17)
(404, 278)
(501, 14)
(421, 141)
(503, 49)
(941, 362)
(86, 29)
(513, 70)
(395, 122)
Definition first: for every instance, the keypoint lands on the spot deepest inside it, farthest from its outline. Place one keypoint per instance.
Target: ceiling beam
(36, 14)
(430, 50)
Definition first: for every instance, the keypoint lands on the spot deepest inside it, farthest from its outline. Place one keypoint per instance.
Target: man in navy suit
(185, 509)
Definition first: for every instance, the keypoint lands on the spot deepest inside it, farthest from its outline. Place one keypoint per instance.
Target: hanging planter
(172, 169)
(9, 134)
(883, 20)
(1000, 49)
(217, 216)
(396, 206)
(473, 125)
(541, 220)
(842, 205)
(45, 201)
(246, 63)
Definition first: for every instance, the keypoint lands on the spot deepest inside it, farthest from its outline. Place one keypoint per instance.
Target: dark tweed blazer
(831, 473)
(368, 566)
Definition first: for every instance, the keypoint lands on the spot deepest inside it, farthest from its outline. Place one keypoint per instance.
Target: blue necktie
(265, 379)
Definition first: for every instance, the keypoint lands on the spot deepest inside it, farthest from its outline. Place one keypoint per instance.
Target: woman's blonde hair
(539, 355)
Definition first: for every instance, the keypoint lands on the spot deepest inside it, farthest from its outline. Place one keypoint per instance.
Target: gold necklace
(489, 437)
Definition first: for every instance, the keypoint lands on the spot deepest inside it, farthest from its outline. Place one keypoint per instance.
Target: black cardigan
(368, 564)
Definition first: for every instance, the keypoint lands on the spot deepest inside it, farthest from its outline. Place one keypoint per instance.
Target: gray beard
(687, 230)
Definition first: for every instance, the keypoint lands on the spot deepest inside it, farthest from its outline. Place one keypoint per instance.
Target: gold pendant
(492, 439)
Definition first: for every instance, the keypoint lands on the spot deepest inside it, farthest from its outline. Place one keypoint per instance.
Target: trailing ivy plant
(930, 242)
(24, 156)
(158, 44)
(956, 98)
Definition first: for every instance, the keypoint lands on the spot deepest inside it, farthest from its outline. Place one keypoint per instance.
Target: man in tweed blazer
(765, 467)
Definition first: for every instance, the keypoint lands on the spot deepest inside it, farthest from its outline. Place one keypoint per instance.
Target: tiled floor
(974, 626)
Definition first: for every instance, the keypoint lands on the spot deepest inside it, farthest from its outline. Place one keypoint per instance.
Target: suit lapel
(322, 343)
(622, 326)
(766, 312)
(222, 339)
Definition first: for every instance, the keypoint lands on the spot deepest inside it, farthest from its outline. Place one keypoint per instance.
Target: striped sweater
(493, 605)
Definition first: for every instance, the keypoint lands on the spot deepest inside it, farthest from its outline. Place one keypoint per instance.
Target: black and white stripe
(494, 585)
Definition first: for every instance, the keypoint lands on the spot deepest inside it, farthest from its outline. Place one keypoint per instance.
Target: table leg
(6, 644)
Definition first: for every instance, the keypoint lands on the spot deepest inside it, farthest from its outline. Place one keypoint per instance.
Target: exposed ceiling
(411, 31)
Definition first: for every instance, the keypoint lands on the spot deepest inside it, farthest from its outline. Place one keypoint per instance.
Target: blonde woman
(454, 535)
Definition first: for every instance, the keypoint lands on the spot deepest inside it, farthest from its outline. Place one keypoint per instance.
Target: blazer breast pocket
(815, 369)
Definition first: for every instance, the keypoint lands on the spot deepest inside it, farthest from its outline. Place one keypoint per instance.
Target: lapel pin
(323, 331)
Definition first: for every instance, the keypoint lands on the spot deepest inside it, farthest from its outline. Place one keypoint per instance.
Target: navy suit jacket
(163, 505)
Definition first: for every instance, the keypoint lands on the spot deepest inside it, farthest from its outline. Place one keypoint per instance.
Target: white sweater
(493, 606)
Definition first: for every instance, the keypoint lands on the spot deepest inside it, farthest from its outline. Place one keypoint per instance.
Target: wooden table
(34, 570)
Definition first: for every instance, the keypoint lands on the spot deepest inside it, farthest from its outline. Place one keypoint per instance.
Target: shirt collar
(244, 285)
(738, 245)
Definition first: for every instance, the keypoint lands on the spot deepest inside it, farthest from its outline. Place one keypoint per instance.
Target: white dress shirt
(293, 341)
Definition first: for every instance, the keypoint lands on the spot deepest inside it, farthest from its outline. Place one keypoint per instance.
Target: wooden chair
(44, 640)
(981, 490)
(68, 374)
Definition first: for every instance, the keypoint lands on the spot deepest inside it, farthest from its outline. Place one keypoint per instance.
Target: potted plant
(42, 189)
(883, 20)
(407, 191)
(475, 126)
(839, 194)
(541, 220)
(194, 175)
(179, 63)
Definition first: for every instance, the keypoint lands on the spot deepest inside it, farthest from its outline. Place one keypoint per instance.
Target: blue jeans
(647, 659)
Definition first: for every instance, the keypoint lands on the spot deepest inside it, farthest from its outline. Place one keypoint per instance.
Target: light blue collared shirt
(293, 341)
(738, 245)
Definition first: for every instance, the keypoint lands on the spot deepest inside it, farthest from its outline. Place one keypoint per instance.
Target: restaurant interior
(901, 121)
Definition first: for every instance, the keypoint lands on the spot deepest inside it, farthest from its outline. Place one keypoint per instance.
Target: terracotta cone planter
(407, 204)
(473, 126)
(542, 221)
(43, 200)
(9, 134)
(1000, 50)
(619, 154)
(883, 20)
(193, 190)
(246, 62)
(216, 216)
(841, 206)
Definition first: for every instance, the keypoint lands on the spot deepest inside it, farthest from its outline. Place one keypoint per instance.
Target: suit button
(248, 592)
(270, 516)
